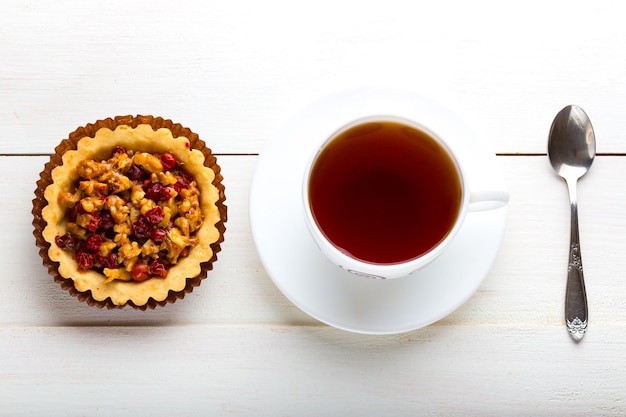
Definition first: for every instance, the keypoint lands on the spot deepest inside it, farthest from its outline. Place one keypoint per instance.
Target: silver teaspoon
(571, 150)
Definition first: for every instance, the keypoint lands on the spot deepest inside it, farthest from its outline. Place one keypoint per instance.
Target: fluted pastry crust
(144, 137)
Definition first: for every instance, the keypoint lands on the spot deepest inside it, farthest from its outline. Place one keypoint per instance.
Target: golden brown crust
(96, 141)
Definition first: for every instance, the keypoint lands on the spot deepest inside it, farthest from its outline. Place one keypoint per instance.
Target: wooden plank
(310, 371)
(234, 74)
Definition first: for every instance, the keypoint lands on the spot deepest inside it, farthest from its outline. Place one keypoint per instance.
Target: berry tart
(130, 211)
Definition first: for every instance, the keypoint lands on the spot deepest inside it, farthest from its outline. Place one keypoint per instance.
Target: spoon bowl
(571, 150)
(572, 143)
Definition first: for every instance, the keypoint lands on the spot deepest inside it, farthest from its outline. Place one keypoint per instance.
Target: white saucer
(327, 292)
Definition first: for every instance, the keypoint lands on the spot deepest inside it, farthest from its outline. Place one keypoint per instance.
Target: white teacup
(384, 196)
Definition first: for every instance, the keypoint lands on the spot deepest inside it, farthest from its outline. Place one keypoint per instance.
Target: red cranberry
(119, 150)
(140, 272)
(85, 260)
(66, 241)
(158, 235)
(112, 261)
(154, 215)
(184, 178)
(152, 191)
(135, 173)
(141, 228)
(165, 193)
(158, 268)
(180, 185)
(94, 242)
(182, 181)
(94, 222)
(106, 221)
(109, 261)
(188, 177)
(158, 192)
(168, 160)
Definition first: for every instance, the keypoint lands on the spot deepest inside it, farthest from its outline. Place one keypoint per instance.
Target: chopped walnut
(148, 162)
(168, 214)
(76, 230)
(91, 204)
(146, 205)
(118, 182)
(90, 169)
(116, 273)
(183, 225)
(118, 208)
(107, 247)
(150, 248)
(94, 188)
(122, 229)
(85, 220)
(128, 253)
(166, 178)
(121, 161)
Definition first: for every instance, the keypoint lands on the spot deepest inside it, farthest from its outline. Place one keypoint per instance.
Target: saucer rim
(278, 144)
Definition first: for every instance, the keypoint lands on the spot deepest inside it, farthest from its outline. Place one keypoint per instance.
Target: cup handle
(488, 200)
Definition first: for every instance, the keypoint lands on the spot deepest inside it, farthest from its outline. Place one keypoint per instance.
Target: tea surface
(384, 192)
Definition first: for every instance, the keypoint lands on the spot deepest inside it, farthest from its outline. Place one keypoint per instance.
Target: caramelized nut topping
(132, 216)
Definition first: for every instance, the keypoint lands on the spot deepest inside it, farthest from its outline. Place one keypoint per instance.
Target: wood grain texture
(309, 371)
(235, 71)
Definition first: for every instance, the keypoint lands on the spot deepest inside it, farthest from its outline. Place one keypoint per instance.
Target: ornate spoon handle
(575, 294)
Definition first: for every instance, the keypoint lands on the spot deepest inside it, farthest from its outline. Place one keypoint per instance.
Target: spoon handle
(575, 294)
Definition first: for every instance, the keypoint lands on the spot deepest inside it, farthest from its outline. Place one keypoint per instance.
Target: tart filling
(131, 214)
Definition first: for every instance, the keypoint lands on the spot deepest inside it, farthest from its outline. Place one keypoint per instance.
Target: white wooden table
(234, 71)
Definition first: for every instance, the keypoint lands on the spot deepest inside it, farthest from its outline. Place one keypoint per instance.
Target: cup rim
(374, 269)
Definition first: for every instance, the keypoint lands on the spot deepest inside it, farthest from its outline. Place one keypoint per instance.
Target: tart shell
(71, 144)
